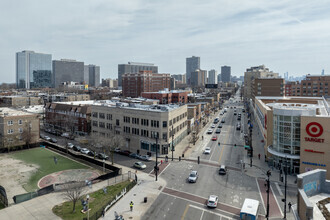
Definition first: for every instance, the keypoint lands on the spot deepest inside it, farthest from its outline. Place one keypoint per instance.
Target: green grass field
(45, 160)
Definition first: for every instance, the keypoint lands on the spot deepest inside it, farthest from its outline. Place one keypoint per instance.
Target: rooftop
(5, 112)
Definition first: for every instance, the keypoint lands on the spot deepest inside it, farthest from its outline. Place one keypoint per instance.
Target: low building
(296, 132)
(17, 128)
(19, 101)
(168, 97)
(65, 97)
(72, 117)
(139, 125)
(312, 86)
(313, 195)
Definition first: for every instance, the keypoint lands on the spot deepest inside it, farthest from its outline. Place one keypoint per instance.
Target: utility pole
(285, 185)
(172, 142)
(156, 166)
(268, 188)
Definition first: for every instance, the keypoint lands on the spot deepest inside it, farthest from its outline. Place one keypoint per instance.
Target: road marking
(202, 215)
(164, 169)
(260, 195)
(206, 210)
(185, 212)
(279, 189)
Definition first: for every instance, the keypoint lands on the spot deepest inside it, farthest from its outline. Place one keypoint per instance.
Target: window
(165, 135)
(154, 123)
(164, 124)
(127, 119)
(101, 124)
(20, 122)
(117, 122)
(109, 126)
(153, 147)
(154, 134)
(95, 124)
(10, 131)
(94, 114)
(135, 121)
(127, 129)
(109, 116)
(20, 130)
(10, 123)
(101, 115)
(144, 146)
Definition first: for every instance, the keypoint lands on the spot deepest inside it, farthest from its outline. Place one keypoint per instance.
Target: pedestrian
(135, 178)
(289, 205)
(103, 213)
(55, 160)
(259, 156)
(202, 137)
(131, 205)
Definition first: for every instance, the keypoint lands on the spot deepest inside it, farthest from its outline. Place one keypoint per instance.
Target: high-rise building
(192, 64)
(133, 67)
(144, 81)
(27, 62)
(219, 77)
(111, 83)
(211, 79)
(42, 79)
(198, 77)
(253, 73)
(225, 73)
(267, 87)
(65, 70)
(179, 77)
(93, 73)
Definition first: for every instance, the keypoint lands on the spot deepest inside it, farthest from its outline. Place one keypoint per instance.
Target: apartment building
(17, 128)
(19, 101)
(167, 97)
(312, 86)
(139, 125)
(134, 67)
(134, 84)
(288, 88)
(267, 87)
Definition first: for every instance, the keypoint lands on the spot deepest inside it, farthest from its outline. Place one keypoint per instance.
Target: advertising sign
(314, 130)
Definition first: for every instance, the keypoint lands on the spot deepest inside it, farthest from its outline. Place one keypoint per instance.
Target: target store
(296, 132)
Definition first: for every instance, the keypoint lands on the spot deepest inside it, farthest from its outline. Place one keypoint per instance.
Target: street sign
(246, 147)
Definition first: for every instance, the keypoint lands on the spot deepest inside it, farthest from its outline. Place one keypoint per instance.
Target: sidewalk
(146, 187)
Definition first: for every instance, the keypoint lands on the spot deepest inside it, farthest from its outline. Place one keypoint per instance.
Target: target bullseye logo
(314, 129)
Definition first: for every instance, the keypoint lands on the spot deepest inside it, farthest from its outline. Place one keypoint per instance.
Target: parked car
(140, 165)
(218, 131)
(102, 156)
(214, 138)
(84, 151)
(212, 201)
(145, 158)
(222, 170)
(92, 153)
(134, 155)
(193, 176)
(117, 150)
(76, 148)
(125, 152)
(53, 140)
(47, 138)
(220, 126)
(66, 135)
(243, 110)
(42, 136)
(70, 145)
(207, 150)
(210, 131)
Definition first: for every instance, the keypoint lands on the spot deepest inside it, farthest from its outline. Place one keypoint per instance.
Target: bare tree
(27, 136)
(74, 191)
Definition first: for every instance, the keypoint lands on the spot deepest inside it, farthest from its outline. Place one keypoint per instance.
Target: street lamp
(268, 188)
(172, 142)
(156, 166)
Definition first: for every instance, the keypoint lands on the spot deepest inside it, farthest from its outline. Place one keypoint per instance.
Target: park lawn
(44, 159)
(97, 199)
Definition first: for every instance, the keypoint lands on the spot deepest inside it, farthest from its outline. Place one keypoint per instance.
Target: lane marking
(202, 215)
(279, 189)
(263, 204)
(185, 212)
(206, 210)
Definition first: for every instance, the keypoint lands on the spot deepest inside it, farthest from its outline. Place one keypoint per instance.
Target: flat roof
(12, 112)
(317, 214)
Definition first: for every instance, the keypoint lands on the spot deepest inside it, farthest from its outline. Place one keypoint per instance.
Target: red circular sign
(314, 129)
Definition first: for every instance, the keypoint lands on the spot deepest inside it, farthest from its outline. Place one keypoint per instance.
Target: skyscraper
(212, 75)
(133, 67)
(198, 77)
(192, 64)
(65, 70)
(26, 63)
(225, 73)
(92, 75)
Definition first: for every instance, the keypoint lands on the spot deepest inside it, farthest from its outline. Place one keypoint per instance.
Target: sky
(286, 36)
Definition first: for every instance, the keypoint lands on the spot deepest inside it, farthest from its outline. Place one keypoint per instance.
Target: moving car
(243, 110)
(220, 126)
(84, 151)
(193, 177)
(207, 150)
(145, 158)
(238, 126)
(212, 201)
(210, 131)
(223, 120)
(102, 156)
(213, 126)
(222, 170)
(218, 131)
(214, 138)
(140, 165)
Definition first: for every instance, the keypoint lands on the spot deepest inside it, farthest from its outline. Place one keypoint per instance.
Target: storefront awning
(280, 154)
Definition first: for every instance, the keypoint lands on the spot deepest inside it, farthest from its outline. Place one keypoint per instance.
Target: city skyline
(284, 36)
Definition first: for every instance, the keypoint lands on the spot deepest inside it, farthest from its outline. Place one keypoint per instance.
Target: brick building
(316, 86)
(267, 87)
(134, 84)
(168, 97)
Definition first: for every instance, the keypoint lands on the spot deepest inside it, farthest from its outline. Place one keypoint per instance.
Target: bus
(250, 209)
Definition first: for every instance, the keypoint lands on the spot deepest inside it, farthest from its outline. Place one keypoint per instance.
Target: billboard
(211, 86)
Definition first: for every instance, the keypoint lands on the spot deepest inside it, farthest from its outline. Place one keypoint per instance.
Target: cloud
(284, 35)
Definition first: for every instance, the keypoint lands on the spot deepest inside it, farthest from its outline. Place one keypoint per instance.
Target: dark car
(102, 156)
(125, 152)
(220, 126)
(134, 155)
(92, 153)
(76, 148)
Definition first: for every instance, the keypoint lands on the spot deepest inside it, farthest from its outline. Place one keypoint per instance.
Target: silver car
(193, 177)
